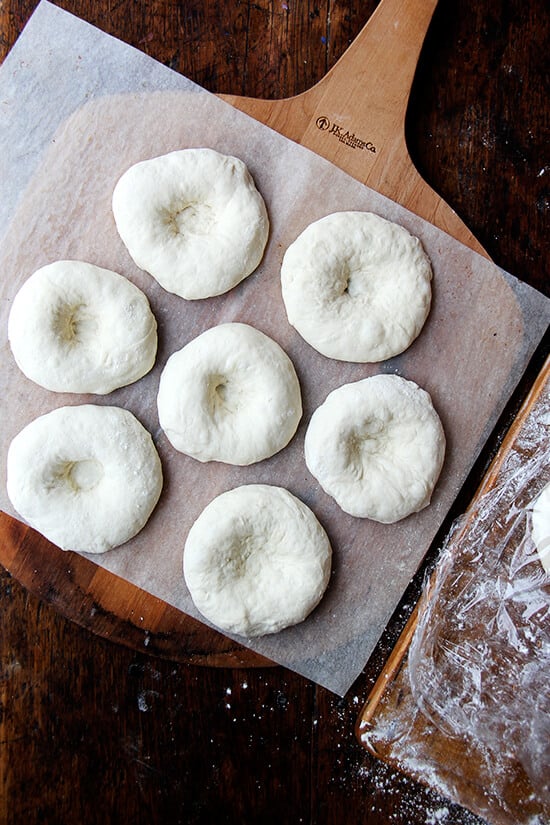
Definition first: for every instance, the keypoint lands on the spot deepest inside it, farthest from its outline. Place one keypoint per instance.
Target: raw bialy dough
(74, 327)
(377, 447)
(256, 560)
(87, 477)
(193, 219)
(540, 531)
(230, 395)
(357, 287)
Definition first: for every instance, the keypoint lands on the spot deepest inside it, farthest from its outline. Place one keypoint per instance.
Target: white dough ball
(540, 531)
(74, 327)
(230, 395)
(377, 447)
(256, 560)
(356, 287)
(87, 477)
(193, 219)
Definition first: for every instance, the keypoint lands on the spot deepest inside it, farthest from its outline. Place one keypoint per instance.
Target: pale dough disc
(356, 286)
(377, 447)
(87, 477)
(74, 327)
(230, 395)
(256, 560)
(540, 532)
(193, 219)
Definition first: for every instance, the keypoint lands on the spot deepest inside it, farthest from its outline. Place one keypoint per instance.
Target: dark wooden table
(92, 732)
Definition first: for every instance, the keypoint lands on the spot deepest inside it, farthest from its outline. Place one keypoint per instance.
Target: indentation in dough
(357, 283)
(239, 556)
(224, 394)
(344, 279)
(79, 476)
(256, 560)
(75, 327)
(71, 323)
(191, 218)
(367, 441)
(231, 395)
(377, 447)
(217, 385)
(356, 287)
(86, 476)
(220, 391)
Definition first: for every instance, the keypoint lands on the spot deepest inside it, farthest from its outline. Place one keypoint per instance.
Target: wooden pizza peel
(354, 117)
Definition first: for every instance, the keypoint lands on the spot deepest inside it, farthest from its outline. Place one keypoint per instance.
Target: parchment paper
(77, 108)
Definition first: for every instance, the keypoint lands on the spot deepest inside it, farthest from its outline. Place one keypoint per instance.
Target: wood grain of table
(93, 732)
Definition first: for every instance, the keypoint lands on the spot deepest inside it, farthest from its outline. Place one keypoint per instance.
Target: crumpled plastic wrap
(479, 662)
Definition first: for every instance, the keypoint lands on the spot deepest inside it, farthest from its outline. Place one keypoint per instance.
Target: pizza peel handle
(355, 115)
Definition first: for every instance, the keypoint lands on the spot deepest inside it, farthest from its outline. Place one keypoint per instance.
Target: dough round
(540, 532)
(356, 286)
(193, 219)
(377, 447)
(74, 327)
(86, 477)
(256, 560)
(230, 395)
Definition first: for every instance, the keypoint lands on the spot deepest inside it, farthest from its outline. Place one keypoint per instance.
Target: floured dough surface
(193, 219)
(87, 477)
(377, 447)
(356, 286)
(256, 560)
(540, 532)
(230, 395)
(75, 327)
